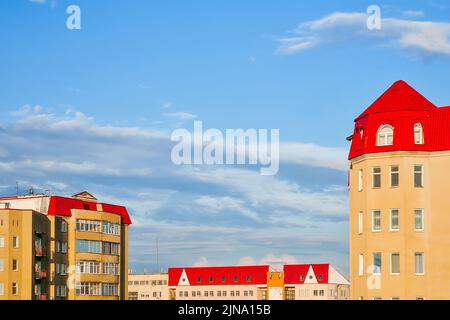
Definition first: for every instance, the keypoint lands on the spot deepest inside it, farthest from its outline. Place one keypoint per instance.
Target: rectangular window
(15, 288)
(395, 220)
(377, 263)
(63, 226)
(360, 180)
(360, 222)
(111, 228)
(15, 242)
(360, 265)
(376, 177)
(2, 289)
(89, 225)
(2, 265)
(15, 265)
(418, 220)
(395, 176)
(2, 241)
(88, 288)
(419, 263)
(110, 289)
(88, 246)
(395, 263)
(418, 176)
(376, 220)
(110, 248)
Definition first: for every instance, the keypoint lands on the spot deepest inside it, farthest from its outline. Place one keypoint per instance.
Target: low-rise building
(148, 286)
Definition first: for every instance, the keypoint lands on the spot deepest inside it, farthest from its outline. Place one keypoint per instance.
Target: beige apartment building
(148, 286)
(399, 203)
(63, 248)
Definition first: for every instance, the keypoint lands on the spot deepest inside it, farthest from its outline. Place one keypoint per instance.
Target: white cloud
(220, 204)
(426, 37)
(201, 262)
(183, 116)
(270, 191)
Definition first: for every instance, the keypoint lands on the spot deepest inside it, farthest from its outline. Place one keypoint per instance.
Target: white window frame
(360, 222)
(385, 136)
(418, 128)
(2, 265)
(2, 241)
(422, 175)
(17, 265)
(15, 242)
(2, 289)
(422, 218)
(390, 264)
(63, 226)
(373, 220)
(423, 264)
(390, 220)
(373, 262)
(360, 180)
(360, 265)
(390, 176)
(373, 177)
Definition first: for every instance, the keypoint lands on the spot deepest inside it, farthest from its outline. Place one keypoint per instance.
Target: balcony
(42, 296)
(40, 274)
(40, 251)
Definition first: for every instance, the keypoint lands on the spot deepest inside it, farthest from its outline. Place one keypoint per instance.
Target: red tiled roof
(208, 276)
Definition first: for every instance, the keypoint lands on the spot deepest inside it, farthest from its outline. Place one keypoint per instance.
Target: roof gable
(400, 96)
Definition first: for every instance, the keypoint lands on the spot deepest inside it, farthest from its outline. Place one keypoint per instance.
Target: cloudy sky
(93, 109)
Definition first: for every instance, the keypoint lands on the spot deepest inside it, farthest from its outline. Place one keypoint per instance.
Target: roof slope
(400, 96)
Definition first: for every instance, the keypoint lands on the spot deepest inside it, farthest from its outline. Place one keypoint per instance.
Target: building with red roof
(399, 180)
(74, 248)
(257, 283)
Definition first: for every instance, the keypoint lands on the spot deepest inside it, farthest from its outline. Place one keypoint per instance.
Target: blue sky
(93, 108)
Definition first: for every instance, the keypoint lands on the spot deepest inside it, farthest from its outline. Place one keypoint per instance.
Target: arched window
(385, 135)
(418, 133)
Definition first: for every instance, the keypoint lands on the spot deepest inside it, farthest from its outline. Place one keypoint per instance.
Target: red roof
(62, 206)
(213, 276)
(401, 107)
(400, 96)
(297, 274)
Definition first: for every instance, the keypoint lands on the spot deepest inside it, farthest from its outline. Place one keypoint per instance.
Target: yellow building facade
(61, 248)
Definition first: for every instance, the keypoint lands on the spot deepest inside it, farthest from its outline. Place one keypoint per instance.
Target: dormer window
(418, 133)
(385, 135)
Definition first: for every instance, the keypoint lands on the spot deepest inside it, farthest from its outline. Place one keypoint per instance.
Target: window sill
(376, 231)
(394, 274)
(394, 230)
(420, 274)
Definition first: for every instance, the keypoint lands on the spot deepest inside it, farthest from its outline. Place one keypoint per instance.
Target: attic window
(199, 279)
(361, 132)
(385, 136)
(320, 277)
(85, 206)
(302, 277)
(248, 279)
(418, 133)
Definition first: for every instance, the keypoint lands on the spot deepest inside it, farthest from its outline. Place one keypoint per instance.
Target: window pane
(394, 219)
(394, 176)
(377, 263)
(418, 219)
(419, 263)
(418, 176)
(376, 223)
(376, 177)
(395, 263)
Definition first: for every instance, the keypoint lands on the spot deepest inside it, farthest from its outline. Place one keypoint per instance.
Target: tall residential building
(295, 282)
(63, 248)
(399, 208)
(148, 286)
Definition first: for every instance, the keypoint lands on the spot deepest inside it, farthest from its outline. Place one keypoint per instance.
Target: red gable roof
(209, 276)
(401, 107)
(296, 274)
